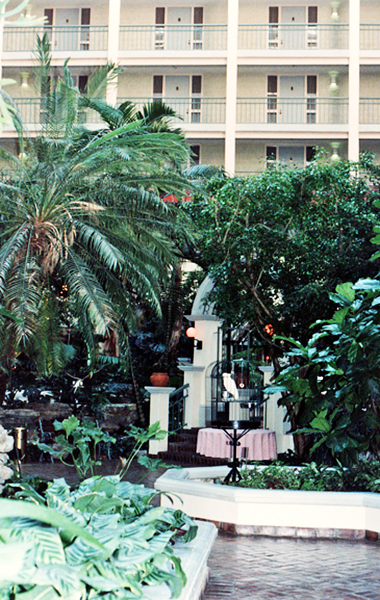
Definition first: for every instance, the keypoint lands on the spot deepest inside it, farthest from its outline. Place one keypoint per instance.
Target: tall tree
(84, 233)
(276, 244)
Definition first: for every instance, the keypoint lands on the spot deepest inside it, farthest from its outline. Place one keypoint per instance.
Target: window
(273, 27)
(158, 85)
(197, 28)
(310, 153)
(311, 100)
(159, 41)
(271, 155)
(272, 99)
(312, 28)
(196, 91)
(195, 157)
(85, 29)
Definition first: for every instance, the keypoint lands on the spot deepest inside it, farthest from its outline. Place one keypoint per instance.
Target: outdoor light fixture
(24, 79)
(333, 84)
(335, 156)
(334, 10)
(191, 333)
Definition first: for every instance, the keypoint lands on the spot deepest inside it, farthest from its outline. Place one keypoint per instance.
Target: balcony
(71, 38)
(310, 111)
(369, 36)
(33, 114)
(369, 113)
(282, 37)
(191, 111)
(173, 37)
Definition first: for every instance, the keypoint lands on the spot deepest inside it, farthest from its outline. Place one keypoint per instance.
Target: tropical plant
(80, 443)
(102, 540)
(332, 391)
(84, 233)
(277, 243)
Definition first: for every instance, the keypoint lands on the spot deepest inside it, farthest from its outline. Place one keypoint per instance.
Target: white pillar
(231, 85)
(194, 413)
(196, 374)
(275, 415)
(159, 411)
(113, 46)
(354, 80)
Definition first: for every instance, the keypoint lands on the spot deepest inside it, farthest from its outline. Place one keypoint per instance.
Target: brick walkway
(260, 568)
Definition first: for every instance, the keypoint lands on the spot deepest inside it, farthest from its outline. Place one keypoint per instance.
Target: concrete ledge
(348, 515)
(194, 562)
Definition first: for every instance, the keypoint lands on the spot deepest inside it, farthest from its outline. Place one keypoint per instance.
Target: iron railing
(190, 110)
(370, 36)
(369, 111)
(177, 409)
(62, 38)
(291, 111)
(284, 36)
(33, 112)
(173, 37)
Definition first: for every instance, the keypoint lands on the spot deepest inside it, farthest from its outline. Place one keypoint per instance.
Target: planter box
(344, 515)
(194, 562)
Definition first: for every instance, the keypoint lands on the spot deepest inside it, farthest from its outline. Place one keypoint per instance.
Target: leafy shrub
(362, 477)
(102, 541)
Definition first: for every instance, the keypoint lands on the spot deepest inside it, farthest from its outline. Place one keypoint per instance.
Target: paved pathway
(260, 568)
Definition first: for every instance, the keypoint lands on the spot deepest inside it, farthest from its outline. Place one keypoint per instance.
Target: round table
(256, 444)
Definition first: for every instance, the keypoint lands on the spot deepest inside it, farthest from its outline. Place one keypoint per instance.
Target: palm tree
(84, 234)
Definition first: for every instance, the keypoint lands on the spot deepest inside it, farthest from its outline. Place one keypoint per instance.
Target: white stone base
(351, 515)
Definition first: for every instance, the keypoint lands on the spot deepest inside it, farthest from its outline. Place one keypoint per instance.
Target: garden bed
(282, 513)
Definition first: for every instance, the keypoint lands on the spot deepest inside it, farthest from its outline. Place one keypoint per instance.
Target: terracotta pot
(159, 379)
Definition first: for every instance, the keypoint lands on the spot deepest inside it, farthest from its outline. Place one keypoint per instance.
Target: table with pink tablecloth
(256, 444)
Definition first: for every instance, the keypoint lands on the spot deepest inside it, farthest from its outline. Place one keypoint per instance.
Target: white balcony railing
(292, 111)
(369, 36)
(173, 37)
(62, 38)
(194, 110)
(277, 36)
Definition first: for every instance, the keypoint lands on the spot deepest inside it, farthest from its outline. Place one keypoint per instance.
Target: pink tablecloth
(257, 444)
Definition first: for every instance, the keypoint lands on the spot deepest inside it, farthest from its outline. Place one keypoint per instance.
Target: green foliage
(277, 243)
(85, 235)
(101, 540)
(364, 476)
(79, 443)
(332, 392)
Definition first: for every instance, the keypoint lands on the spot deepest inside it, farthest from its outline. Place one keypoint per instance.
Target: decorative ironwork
(177, 409)
(237, 395)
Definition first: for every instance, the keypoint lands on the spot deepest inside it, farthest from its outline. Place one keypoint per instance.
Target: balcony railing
(260, 111)
(173, 37)
(194, 110)
(277, 36)
(292, 111)
(369, 111)
(32, 112)
(369, 36)
(62, 38)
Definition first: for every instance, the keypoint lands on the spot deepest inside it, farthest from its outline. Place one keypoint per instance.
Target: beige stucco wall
(370, 84)
(370, 11)
(250, 155)
(143, 13)
(212, 151)
(257, 12)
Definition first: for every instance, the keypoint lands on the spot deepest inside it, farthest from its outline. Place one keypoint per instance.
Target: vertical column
(231, 85)
(354, 80)
(274, 415)
(159, 411)
(113, 45)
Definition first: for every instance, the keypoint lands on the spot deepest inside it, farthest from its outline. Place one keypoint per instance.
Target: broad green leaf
(39, 592)
(345, 289)
(18, 508)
